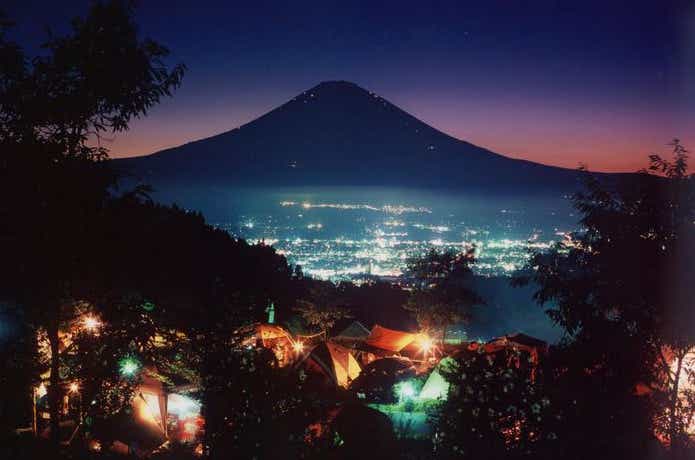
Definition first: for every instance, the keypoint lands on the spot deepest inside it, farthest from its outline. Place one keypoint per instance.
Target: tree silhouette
(54, 109)
(322, 308)
(443, 295)
(494, 408)
(202, 285)
(622, 290)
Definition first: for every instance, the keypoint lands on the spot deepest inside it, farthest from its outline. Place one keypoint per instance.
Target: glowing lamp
(406, 391)
(95, 445)
(91, 323)
(128, 366)
(298, 346)
(426, 344)
(41, 391)
(74, 387)
(183, 406)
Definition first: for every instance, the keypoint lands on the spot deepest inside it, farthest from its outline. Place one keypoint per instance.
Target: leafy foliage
(322, 308)
(54, 181)
(443, 295)
(622, 290)
(494, 408)
(254, 409)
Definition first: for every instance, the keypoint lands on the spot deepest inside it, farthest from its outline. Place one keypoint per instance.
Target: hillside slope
(340, 134)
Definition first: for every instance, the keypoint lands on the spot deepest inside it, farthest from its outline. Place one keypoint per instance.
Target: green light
(436, 387)
(405, 391)
(128, 366)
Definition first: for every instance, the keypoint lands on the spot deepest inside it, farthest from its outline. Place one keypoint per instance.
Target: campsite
(394, 372)
(347, 230)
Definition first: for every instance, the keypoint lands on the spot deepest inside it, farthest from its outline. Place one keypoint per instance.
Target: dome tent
(333, 362)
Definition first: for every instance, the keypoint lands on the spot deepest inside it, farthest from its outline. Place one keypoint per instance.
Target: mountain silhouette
(338, 133)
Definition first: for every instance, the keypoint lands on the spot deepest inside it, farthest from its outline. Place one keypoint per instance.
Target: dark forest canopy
(622, 290)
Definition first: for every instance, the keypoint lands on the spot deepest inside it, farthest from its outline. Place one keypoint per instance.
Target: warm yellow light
(41, 391)
(426, 343)
(145, 407)
(91, 323)
(298, 346)
(95, 445)
(74, 387)
(685, 385)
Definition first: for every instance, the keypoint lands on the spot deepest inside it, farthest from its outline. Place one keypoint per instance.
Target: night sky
(603, 83)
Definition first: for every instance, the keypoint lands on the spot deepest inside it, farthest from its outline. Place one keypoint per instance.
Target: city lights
(386, 236)
(387, 209)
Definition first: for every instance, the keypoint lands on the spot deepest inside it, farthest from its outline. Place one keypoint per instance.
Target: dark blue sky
(604, 83)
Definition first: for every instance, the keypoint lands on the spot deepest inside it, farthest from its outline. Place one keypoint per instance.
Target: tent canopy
(521, 342)
(518, 340)
(435, 386)
(378, 377)
(355, 330)
(335, 362)
(389, 339)
(267, 333)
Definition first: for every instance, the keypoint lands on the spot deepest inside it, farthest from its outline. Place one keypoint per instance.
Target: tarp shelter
(335, 362)
(150, 402)
(525, 344)
(519, 341)
(389, 339)
(354, 331)
(267, 334)
(270, 336)
(141, 430)
(125, 433)
(166, 409)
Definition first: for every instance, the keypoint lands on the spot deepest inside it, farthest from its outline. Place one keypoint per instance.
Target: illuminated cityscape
(349, 240)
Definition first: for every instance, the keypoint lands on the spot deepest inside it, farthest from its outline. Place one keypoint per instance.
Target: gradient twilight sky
(563, 82)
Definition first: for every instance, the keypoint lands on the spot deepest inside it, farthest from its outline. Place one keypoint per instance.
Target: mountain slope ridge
(338, 133)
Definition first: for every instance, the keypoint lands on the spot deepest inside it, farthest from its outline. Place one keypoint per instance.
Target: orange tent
(389, 339)
(519, 341)
(267, 334)
(270, 336)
